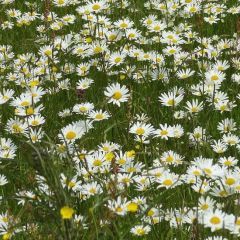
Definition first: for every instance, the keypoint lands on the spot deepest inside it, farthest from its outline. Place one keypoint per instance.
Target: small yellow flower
(131, 153)
(132, 207)
(6, 236)
(66, 212)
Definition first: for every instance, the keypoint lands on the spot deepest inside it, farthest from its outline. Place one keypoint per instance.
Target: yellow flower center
(16, 128)
(98, 49)
(208, 171)
(237, 221)
(71, 135)
(29, 111)
(223, 193)
(140, 131)
(112, 37)
(230, 181)
(34, 83)
(196, 172)
(48, 52)
(119, 209)
(97, 162)
(88, 40)
(157, 28)
(121, 161)
(71, 184)
(99, 116)
(93, 190)
(35, 122)
(25, 103)
(172, 51)
(149, 21)
(214, 78)
(140, 231)
(96, 7)
(131, 169)
(227, 163)
(61, 148)
(223, 107)
(117, 59)
(131, 35)
(167, 182)
(163, 133)
(194, 109)
(193, 9)
(204, 206)
(169, 159)
(83, 109)
(123, 25)
(117, 95)
(215, 220)
(150, 213)
(61, 2)
(170, 102)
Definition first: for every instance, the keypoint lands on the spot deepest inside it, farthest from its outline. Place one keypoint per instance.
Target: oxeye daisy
(74, 131)
(214, 219)
(183, 74)
(194, 106)
(132, 34)
(157, 26)
(84, 83)
(214, 76)
(47, 51)
(97, 6)
(83, 108)
(61, 3)
(98, 115)
(206, 204)
(36, 120)
(91, 189)
(228, 161)
(142, 129)
(6, 95)
(117, 94)
(170, 99)
(118, 206)
(35, 135)
(164, 132)
(116, 59)
(171, 50)
(168, 180)
(140, 230)
(124, 24)
(16, 126)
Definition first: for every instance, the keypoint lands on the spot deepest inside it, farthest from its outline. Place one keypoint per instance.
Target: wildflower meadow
(120, 119)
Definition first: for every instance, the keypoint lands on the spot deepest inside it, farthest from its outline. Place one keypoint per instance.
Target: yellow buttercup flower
(132, 207)
(66, 212)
